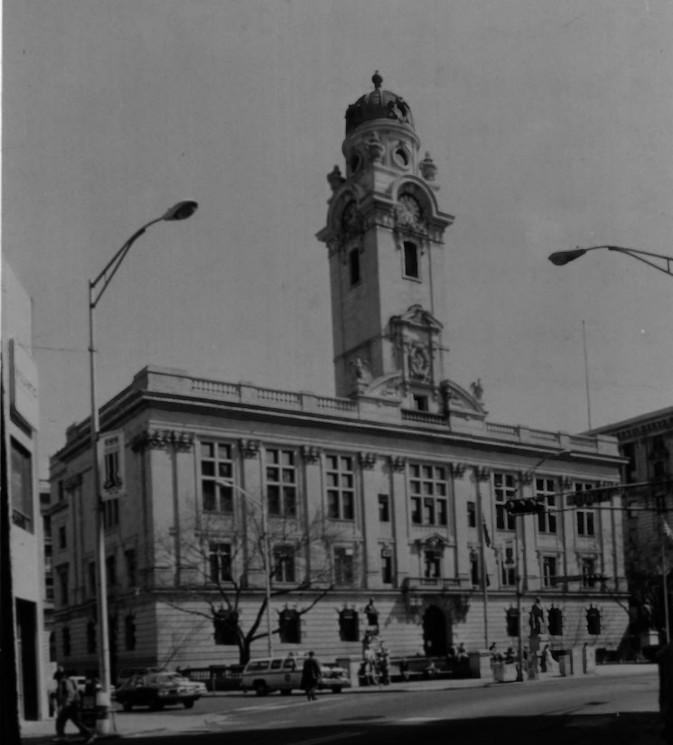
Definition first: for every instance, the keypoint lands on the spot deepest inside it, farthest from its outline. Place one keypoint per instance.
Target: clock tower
(385, 240)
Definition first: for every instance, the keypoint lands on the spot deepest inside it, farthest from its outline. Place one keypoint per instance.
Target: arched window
(411, 260)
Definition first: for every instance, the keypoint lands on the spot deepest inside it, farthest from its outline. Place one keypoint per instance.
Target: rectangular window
(504, 489)
(588, 568)
(386, 567)
(131, 568)
(110, 513)
(217, 466)
(220, 562)
(549, 571)
(475, 568)
(111, 570)
(344, 570)
(281, 482)
(428, 488)
(354, 266)
(545, 492)
(471, 514)
(21, 487)
(411, 260)
(62, 540)
(508, 567)
(284, 564)
(586, 522)
(64, 594)
(384, 508)
(340, 487)
(421, 403)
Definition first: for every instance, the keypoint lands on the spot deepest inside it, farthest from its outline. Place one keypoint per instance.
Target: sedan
(157, 690)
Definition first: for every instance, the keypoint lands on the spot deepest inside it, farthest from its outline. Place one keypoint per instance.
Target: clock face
(409, 208)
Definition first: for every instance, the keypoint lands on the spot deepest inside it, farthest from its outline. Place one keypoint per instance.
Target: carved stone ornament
(419, 362)
(397, 462)
(481, 473)
(310, 454)
(163, 439)
(249, 448)
(73, 482)
(428, 168)
(457, 469)
(367, 460)
(566, 483)
(374, 148)
(335, 179)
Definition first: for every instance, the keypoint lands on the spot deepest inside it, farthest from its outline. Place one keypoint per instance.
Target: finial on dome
(377, 80)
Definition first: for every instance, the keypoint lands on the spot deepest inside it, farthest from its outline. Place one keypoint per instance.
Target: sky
(549, 123)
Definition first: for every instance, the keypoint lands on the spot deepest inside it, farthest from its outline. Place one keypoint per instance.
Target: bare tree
(222, 567)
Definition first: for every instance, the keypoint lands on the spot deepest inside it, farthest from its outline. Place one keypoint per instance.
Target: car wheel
(260, 688)
(127, 706)
(189, 703)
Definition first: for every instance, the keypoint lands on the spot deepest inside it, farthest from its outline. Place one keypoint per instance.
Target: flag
(667, 529)
(487, 537)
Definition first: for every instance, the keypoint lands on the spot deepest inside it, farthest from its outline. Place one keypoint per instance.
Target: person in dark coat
(310, 676)
(68, 700)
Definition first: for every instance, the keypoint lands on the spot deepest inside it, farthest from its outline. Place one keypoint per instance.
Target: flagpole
(481, 474)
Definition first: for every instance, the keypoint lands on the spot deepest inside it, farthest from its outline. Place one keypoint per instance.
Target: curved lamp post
(267, 553)
(560, 258)
(97, 286)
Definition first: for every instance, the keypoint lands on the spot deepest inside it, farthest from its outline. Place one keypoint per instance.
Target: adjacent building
(20, 430)
(646, 443)
(393, 494)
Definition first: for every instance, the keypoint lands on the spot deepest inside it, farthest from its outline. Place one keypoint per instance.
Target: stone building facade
(394, 491)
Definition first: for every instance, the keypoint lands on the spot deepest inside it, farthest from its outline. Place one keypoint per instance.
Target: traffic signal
(512, 622)
(524, 507)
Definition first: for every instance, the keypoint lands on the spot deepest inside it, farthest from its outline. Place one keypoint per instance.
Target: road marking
(416, 720)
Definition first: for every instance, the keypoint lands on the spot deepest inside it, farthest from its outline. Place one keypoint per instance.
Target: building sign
(111, 464)
(23, 384)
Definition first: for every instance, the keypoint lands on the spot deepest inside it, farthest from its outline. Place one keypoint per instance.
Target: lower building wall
(176, 635)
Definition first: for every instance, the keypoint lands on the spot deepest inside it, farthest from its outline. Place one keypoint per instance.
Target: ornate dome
(378, 104)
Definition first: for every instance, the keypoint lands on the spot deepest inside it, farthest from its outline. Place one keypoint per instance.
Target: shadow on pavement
(640, 728)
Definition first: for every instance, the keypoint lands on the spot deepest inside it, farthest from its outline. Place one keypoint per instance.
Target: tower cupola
(378, 104)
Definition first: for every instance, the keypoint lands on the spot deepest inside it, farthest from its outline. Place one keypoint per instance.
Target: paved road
(614, 709)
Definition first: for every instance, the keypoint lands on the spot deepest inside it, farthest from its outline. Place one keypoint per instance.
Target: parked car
(128, 672)
(283, 674)
(216, 677)
(157, 690)
(334, 677)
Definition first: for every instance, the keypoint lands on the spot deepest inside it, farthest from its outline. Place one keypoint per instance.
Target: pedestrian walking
(310, 676)
(67, 697)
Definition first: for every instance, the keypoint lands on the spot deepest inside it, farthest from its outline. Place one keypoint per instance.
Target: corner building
(402, 470)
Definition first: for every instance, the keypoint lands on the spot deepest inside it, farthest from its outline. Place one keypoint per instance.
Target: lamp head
(559, 258)
(181, 211)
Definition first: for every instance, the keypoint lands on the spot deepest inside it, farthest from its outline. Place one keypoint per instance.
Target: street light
(267, 554)
(561, 258)
(97, 286)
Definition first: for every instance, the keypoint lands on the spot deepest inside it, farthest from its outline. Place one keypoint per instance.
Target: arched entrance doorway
(434, 632)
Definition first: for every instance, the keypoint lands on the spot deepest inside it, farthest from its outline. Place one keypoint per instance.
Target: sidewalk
(146, 723)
